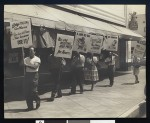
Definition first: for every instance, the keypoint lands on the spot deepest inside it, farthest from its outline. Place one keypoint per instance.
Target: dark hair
(90, 55)
(31, 47)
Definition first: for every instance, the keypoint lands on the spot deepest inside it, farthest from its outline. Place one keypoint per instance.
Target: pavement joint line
(131, 110)
(82, 106)
(63, 110)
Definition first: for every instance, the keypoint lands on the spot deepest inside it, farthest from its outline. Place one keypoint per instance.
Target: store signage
(81, 42)
(111, 43)
(64, 46)
(20, 34)
(95, 44)
(139, 50)
(13, 58)
(133, 25)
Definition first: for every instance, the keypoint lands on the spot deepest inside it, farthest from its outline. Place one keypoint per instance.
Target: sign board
(111, 43)
(133, 25)
(81, 42)
(21, 34)
(95, 44)
(139, 50)
(64, 46)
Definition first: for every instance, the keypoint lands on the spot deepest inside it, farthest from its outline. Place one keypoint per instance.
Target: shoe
(59, 96)
(29, 109)
(137, 82)
(110, 85)
(51, 99)
(37, 104)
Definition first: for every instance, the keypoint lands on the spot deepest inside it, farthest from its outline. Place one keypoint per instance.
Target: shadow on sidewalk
(142, 109)
(14, 110)
(128, 84)
(102, 85)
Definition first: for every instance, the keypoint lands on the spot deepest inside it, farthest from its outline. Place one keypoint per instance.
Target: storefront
(47, 22)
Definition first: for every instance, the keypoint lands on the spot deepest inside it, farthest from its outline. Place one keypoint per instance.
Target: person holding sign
(55, 66)
(90, 69)
(110, 61)
(77, 65)
(136, 66)
(32, 64)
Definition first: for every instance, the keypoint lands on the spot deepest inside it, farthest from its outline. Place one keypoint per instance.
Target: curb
(138, 111)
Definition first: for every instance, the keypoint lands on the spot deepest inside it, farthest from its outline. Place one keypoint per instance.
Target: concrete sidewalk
(103, 102)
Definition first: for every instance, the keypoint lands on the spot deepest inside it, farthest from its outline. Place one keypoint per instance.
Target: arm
(115, 54)
(35, 66)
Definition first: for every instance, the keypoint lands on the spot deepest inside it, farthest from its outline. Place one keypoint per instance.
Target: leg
(53, 93)
(59, 93)
(54, 90)
(110, 74)
(136, 79)
(92, 86)
(35, 90)
(28, 91)
(73, 82)
(80, 79)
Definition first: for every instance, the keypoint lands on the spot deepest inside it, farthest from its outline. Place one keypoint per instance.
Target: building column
(124, 51)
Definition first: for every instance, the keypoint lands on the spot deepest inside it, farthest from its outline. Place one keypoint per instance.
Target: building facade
(67, 19)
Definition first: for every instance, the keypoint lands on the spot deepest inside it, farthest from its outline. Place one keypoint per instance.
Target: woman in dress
(90, 70)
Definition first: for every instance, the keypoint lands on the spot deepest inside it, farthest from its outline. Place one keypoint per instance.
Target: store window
(12, 57)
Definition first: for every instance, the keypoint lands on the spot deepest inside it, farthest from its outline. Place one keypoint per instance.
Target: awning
(103, 26)
(127, 33)
(54, 18)
(49, 17)
(73, 22)
(36, 14)
(121, 31)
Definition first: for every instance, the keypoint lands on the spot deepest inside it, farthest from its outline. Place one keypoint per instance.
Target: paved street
(101, 103)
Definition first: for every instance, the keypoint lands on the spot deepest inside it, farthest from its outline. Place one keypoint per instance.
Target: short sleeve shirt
(82, 58)
(32, 61)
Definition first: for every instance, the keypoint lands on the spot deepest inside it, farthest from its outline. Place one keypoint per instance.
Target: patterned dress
(90, 71)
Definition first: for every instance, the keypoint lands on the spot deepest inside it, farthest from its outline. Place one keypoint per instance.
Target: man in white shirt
(110, 61)
(32, 64)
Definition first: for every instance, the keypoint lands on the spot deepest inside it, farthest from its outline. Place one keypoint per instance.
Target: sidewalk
(103, 102)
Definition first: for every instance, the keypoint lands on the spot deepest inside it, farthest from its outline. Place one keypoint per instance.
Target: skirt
(91, 75)
(136, 70)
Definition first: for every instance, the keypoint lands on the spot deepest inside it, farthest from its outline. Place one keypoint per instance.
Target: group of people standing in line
(81, 69)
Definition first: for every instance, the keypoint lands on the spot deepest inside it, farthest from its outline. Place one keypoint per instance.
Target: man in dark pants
(32, 64)
(55, 66)
(77, 72)
(110, 61)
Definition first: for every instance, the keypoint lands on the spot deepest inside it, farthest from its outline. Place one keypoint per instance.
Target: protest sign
(139, 50)
(64, 46)
(111, 43)
(20, 34)
(95, 44)
(81, 42)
